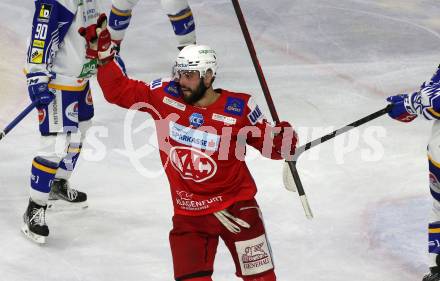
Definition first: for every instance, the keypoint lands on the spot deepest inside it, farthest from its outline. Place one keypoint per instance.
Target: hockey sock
(434, 237)
(42, 173)
(182, 20)
(119, 20)
(68, 163)
(204, 278)
(269, 276)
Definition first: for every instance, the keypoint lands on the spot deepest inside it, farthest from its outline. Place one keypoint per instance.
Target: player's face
(191, 85)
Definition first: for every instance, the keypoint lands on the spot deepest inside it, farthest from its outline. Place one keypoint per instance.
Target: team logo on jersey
(45, 11)
(41, 115)
(89, 99)
(173, 89)
(254, 255)
(196, 120)
(234, 106)
(36, 55)
(192, 164)
(72, 112)
(194, 138)
(185, 201)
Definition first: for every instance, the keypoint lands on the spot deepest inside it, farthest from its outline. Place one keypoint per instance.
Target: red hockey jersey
(201, 149)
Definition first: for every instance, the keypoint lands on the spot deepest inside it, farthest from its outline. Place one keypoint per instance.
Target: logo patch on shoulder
(234, 106)
(255, 115)
(156, 84)
(173, 89)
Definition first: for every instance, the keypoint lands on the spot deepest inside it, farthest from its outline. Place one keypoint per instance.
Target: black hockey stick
(342, 130)
(307, 146)
(269, 101)
(18, 119)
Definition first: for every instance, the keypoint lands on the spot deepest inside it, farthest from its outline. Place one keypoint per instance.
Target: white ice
(327, 63)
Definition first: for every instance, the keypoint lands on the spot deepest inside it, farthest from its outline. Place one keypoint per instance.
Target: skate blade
(32, 236)
(62, 205)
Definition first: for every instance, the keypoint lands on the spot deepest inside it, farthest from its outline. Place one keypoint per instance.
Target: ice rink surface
(327, 63)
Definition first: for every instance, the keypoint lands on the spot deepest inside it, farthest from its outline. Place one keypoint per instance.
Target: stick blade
(306, 206)
(288, 181)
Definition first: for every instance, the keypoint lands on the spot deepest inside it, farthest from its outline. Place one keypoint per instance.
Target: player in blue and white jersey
(58, 73)
(426, 103)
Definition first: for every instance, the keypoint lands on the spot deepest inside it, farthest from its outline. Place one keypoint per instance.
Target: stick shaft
(18, 119)
(342, 130)
(269, 100)
(255, 61)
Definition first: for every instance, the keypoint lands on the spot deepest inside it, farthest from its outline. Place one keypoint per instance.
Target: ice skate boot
(62, 196)
(34, 223)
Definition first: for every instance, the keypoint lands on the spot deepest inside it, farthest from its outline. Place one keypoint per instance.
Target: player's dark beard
(196, 94)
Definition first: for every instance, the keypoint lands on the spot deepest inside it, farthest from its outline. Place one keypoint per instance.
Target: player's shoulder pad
(155, 84)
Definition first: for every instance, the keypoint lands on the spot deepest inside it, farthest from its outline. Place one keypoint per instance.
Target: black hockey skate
(434, 275)
(34, 223)
(62, 196)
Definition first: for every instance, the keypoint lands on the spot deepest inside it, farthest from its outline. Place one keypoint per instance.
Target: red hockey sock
(204, 278)
(270, 276)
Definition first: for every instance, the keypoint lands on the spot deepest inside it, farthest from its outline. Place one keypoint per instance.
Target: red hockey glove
(285, 141)
(98, 40)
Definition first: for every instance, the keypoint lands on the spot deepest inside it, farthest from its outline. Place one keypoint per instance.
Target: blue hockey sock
(434, 176)
(43, 172)
(182, 22)
(119, 19)
(434, 238)
(68, 163)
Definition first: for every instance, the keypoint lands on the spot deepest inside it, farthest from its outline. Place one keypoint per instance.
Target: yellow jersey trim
(67, 88)
(437, 164)
(433, 112)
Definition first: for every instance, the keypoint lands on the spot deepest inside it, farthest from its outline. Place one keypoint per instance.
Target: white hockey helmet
(196, 58)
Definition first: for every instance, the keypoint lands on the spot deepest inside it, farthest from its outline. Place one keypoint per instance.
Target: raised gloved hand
(288, 133)
(38, 88)
(402, 109)
(98, 40)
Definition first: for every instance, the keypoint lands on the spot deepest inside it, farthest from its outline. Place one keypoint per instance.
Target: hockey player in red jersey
(202, 135)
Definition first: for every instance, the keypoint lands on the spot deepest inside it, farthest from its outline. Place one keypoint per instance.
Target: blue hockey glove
(402, 109)
(37, 86)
